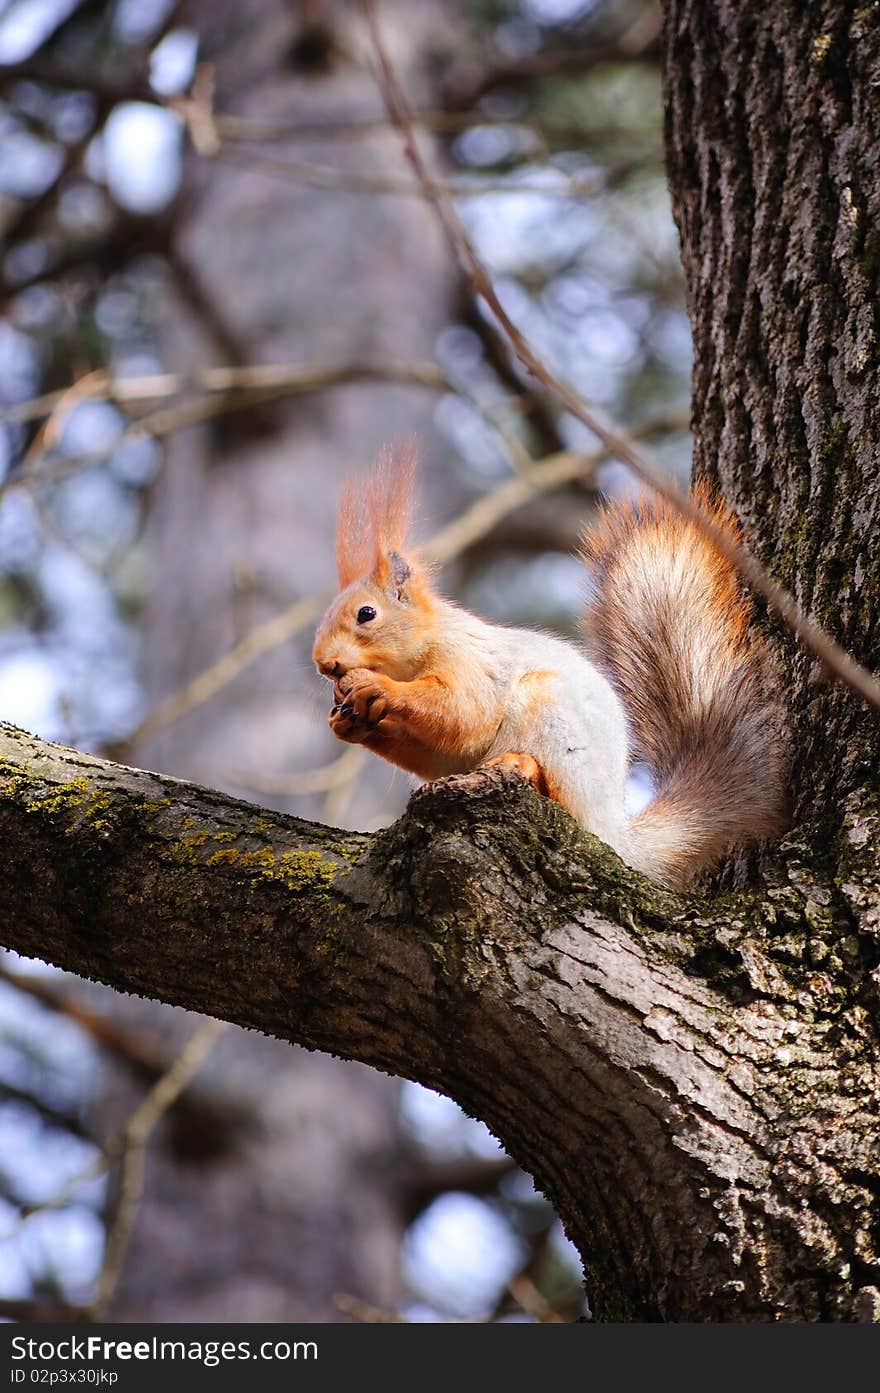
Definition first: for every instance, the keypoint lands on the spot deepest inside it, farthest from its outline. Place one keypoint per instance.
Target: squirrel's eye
(365, 614)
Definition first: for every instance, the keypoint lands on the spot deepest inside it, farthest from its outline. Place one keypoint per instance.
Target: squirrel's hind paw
(525, 765)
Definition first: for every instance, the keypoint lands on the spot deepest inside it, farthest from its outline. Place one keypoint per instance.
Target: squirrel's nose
(334, 669)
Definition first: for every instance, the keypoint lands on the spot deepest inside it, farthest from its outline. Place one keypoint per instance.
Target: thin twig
(140, 1052)
(131, 1189)
(134, 1141)
(291, 378)
(172, 1083)
(51, 430)
(618, 444)
(230, 389)
(196, 110)
(321, 176)
(552, 472)
(142, 1122)
(279, 629)
(255, 129)
(640, 42)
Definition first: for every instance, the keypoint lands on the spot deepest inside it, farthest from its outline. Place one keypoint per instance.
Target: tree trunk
(773, 129)
(692, 1079)
(773, 132)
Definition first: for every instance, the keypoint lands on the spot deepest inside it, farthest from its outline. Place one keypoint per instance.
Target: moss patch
(301, 872)
(22, 785)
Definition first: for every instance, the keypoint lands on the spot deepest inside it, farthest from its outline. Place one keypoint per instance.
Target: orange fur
(427, 726)
(374, 517)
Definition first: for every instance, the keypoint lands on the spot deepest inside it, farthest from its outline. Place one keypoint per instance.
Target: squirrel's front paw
(361, 701)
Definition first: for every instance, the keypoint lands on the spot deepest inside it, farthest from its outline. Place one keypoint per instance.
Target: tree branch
(485, 946)
(311, 175)
(287, 379)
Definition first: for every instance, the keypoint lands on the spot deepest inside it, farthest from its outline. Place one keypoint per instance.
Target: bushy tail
(669, 623)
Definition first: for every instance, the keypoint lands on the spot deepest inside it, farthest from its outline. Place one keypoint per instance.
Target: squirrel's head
(382, 618)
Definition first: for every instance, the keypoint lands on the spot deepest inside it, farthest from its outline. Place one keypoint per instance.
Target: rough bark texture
(773, 145)
(695, 1092)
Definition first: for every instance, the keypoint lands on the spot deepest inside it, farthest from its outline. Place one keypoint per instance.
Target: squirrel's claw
(360, 706)
(526, 766)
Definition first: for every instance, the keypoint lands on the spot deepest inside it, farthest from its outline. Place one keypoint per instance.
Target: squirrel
(669, 673)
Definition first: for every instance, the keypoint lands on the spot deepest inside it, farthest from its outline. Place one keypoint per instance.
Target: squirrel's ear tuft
(374, 520)
(355, 548)
(391, 493)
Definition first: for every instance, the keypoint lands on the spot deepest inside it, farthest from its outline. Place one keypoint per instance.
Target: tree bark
(773, 132)
(696, 1095)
